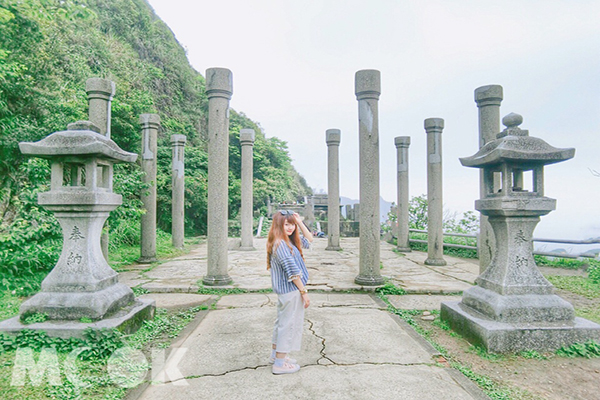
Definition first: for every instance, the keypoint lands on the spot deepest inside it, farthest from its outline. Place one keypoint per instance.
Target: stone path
(329, 270)
(353, 348)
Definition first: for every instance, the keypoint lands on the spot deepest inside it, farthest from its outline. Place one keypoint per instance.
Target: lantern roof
(82, 138)
(514, 145)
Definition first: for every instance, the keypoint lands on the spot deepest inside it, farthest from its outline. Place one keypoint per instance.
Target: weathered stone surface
(333, 138)
(435, 202)
(82, 284)
(127, 319)
(247, 173)
(227, 356)
(100, 93)
(81, 138)
(420, 301)
(177, 300)
(150, 124)
(402, 143)
(342, 383)
(488, 99)
(368, 89)
(513, 306)
(503, 337)
(178, 183)
(328, 270)
(219, 88)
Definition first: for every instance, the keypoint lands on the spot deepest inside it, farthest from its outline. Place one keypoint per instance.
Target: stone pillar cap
(98, 87)
(489, 95)
(150, 120)
(402, 141)
(178, 139)
(434, 124)
(367, 84)
(247, 136)
(219, 82)
(333, 136)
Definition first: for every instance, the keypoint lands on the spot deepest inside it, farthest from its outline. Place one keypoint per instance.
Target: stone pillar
(219, 88)
(488, 99)
(402, 143)
(100, 93)
(435, 212)
(368, 89)
(333, 138)
(178, 183)
(150, 124)
(247, 141)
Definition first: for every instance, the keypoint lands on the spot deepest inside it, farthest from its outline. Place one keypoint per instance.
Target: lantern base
(521, 308)
(77, 305)
(501, 337)
(127, 320)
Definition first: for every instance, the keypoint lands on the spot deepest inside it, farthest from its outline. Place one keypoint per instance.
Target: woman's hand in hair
(298, 219)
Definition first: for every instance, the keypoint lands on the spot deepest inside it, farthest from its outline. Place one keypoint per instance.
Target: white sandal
(286, 369)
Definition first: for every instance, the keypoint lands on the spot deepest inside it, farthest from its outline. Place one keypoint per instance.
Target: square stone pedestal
(500, 337)
(127, 320)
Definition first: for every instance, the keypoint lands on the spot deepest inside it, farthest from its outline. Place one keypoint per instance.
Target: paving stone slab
(169, 286)
(250, 300)
(233, 339)
(177, 300)
(330, 382)
(319, 300)
(420, 301)
(364, 336)
(329, 270)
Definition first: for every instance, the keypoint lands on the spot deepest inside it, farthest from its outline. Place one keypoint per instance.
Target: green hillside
(48, 48)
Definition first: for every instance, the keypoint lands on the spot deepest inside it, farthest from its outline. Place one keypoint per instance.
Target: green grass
(576, 284)
(591, 313)
(588, 350)
(532, 354)
(565, 263)
(483, 353)
(127, 255)
(9, 305)
(451, 251)
(92, 369)
(489, 386)
(493, 389)
(226, 291)
(390, 289)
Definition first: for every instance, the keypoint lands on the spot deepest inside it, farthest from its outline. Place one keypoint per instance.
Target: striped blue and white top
(286, 264)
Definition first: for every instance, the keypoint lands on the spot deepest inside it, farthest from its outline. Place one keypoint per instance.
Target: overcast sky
(294, 62)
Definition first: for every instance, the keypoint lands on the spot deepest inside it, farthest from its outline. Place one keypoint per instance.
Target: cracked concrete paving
(351, 348)
(329, 270)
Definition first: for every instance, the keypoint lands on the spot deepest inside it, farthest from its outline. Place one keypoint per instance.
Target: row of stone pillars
(368, 89)
(150, 125)
(100, 93)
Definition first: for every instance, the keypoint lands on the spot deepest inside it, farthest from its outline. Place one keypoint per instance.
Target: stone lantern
(513, 307)
(82, 284)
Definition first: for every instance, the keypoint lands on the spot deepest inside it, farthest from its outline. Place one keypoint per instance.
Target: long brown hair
(277, 235)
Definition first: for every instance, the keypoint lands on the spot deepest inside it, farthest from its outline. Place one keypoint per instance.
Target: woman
(288, 277)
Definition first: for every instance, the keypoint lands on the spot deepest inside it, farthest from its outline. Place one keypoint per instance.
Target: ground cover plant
(570, 372)
(93, 359)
